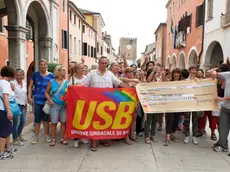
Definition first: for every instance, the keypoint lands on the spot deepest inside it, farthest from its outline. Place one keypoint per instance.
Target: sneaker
(47, 139)
(22, 139)
(186, 139)
(5, 156)
(220, 149)
(194, 140)
(85, 141)
(11, 150)
(18, 143)
(76, 144)
(34, 140)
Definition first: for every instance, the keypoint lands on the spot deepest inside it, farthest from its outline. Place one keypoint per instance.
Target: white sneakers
(194, 140)
(76, 143)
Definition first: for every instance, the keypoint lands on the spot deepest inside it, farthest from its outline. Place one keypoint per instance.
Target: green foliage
(51, 67)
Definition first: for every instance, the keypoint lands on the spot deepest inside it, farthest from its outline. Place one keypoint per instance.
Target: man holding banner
(102, 78)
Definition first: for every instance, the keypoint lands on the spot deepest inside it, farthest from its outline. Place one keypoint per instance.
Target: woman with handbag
(7, 110)
(55, 90)
(20, 90)
(40, 80)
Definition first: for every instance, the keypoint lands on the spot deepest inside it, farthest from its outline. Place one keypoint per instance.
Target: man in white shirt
(102, 78)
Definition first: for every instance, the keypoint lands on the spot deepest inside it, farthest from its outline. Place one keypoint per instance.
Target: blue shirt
(54, 88)
(40, 83)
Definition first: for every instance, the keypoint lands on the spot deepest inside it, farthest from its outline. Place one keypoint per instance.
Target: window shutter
(92, 52)
(95, 53)
(63, 38)
(197, 16)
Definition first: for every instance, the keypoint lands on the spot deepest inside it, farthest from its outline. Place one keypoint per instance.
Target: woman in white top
(6, 94)
(20, 90)
(76, 79)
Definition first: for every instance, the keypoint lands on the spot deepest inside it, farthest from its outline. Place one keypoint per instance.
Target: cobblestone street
(139, 157)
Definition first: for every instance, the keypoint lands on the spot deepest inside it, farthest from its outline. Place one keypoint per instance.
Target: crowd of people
(46, 88)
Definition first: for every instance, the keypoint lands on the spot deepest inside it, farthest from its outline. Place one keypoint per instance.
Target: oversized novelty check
(178, 96)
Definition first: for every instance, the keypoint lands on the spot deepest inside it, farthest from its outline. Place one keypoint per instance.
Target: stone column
(17, 46)
(45, 45)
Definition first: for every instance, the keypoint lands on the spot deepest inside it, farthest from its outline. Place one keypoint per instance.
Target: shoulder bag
(46, 107)
(15, 109)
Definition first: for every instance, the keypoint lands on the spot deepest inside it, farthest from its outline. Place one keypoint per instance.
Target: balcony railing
(181, 40)
(225, 20)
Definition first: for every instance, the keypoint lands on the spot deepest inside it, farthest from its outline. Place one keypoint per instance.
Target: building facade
(63, 32)
(160, 37)
(76, 20)
(128, 46)
(217, 33)
(95, 20)
(184, 43)
(108, 50)
(150, 53)
(28, 26)
(89, 44)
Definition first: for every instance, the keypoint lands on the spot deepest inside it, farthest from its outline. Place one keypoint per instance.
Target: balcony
(225, 20)
(181, 40)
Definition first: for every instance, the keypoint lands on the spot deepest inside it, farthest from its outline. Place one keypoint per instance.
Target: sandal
(127, 141)
(213, 137)
(53, 143)
(134, 139)
(93, 148)
(147, 141)
(153, 139)
(106, 144)
(166, 143)
(174, 139)
(64, 142)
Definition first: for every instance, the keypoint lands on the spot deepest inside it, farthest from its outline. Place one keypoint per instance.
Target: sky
(129, 18)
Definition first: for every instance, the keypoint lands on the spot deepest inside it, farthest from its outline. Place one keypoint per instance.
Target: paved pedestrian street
(139, 157)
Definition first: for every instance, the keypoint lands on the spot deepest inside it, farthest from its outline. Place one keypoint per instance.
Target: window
(84, 48)
(64, 39)
(70, 43)
(75, 45)
(79, 22)
(199, 15)
(1, 29)
(63, 5)
(95, 53)
(28, 36)
(83, 28)
(70, 16)
(101, 50)
(75, 17)
(91, 51)
(210, 9)
(88, 50)
(79, 44)
(97, 47)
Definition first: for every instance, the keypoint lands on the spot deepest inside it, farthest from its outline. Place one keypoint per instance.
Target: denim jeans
(19, 122)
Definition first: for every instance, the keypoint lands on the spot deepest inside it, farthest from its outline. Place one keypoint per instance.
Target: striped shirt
(40, 83)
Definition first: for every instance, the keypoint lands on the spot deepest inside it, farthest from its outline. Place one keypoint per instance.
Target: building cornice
(76, 10)
(160, 25)
(168, 3)
(85, 22)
